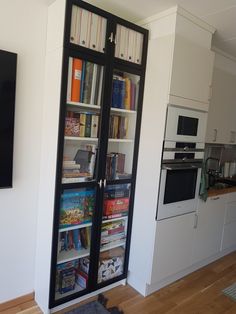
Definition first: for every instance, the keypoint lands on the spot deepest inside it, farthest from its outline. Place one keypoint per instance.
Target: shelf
(112, 246)
(87, 139)
(115, 219)
(70, 255)
(76, 180)
(59, 295)
(120, 140)
(118, 110)
(89, 224)
(82, 105)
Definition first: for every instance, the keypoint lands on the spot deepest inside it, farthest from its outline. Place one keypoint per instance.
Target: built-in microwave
(185, 125)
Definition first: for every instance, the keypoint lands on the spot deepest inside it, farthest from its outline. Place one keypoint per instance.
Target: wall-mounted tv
(7, 109)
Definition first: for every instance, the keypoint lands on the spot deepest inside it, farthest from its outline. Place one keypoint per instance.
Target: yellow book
(127, 93)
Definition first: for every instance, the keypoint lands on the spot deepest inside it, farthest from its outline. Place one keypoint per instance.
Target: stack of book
(77, 207)
(82, 167)
(124, 92)
(118, 127)
(112, 232)
(81, 124)
(85, 81)
(76, 239)
(129, 44)
(88, 29)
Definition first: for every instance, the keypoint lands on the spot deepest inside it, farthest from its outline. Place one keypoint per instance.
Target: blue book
(76, 239)
(121, 94)
(115, 93)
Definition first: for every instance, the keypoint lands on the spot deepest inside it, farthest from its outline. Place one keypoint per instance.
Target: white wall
(22, 30)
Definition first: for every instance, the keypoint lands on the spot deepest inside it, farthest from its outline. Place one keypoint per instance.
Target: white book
(138, 48)
(73, 24)
(123, 43)
(117, 49)
(103, 34)
(93, 88)
(78, 25)
(131, 45)
(69, 78)
(85, 28)
(93, 43)
(100, 87)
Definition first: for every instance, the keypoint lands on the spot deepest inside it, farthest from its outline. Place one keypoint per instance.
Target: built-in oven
(180, 179)
(185, 125)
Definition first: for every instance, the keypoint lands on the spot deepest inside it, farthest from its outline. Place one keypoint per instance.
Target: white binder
(93, 43)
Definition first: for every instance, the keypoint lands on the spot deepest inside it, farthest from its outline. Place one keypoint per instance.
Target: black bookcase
(102, 87)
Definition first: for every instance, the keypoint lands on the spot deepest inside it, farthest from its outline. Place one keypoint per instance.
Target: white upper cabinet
(221, 126)
(191, 70)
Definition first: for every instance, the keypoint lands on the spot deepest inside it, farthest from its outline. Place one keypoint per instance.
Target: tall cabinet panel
(101, 103)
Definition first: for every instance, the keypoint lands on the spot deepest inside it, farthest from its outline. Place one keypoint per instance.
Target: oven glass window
(187, 126)
(180, 185)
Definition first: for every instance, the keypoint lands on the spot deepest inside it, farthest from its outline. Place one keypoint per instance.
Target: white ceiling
(219, 13)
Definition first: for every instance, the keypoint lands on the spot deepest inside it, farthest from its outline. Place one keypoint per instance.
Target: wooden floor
(197, 293)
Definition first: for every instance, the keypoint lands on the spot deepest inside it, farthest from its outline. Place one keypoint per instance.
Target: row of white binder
(88, 29)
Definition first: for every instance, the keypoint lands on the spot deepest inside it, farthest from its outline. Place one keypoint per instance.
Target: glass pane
(88, 29)
(84, 94)
(113, 231)
(76, 211)
(122, 125)
(129, 44)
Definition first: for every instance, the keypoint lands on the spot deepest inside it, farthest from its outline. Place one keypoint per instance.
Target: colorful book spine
(82, 124)
(88, 122)
(94, 125)
(76, 80)
(127, 98)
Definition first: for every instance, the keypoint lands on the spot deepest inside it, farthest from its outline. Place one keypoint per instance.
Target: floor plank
(197, 293)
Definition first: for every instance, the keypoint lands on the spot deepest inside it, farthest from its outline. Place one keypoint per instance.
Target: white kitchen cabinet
(221, 127)
(208, 228)
(229, 233)
(173, 246)
(191, 70)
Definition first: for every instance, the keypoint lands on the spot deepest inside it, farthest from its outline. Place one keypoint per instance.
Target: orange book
(76, 80)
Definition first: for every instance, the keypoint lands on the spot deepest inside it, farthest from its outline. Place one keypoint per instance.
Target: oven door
(185, 125)
(179, 188)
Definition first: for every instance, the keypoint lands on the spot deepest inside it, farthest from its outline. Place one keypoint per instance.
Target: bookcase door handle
(105, 183)
(111, 38)
(100, 183)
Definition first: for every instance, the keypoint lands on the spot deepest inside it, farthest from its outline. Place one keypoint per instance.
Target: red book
(112, 206)
(76, 80)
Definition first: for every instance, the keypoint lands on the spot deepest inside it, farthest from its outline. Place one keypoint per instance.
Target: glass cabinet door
(122, 125)
(113, 231)
(77, 208)
(129, 44)
(81, 133)
(88, 29)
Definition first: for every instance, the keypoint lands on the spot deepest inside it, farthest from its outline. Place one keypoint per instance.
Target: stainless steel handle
(111, 38)
(195, 221)
(215, 135)
(105, 183)
(100, 183)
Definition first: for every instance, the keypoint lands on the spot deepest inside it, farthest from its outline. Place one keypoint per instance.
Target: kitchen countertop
(216, 191)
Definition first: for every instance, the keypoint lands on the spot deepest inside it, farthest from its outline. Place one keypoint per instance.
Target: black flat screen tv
(8, 62)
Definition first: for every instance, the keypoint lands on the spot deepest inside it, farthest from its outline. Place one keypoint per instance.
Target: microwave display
(187, 126)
